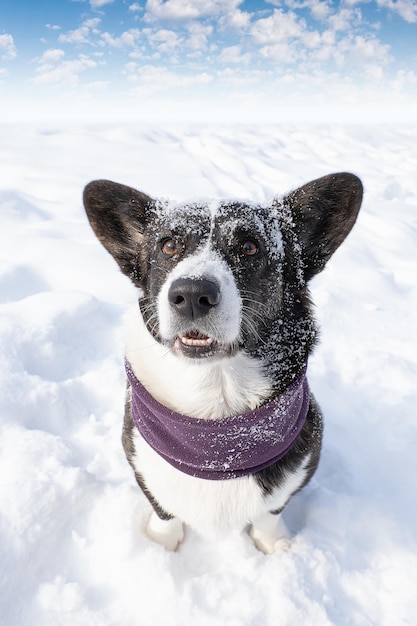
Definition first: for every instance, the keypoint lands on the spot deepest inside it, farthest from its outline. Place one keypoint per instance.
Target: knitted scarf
(224, 448)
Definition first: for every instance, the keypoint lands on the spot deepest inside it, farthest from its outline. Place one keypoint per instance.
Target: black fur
(127, 442)
(278, 327)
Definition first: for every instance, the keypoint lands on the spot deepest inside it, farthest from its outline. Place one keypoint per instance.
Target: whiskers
(246, 296)
(154, 264)
(253, 315)
(149, 313)
(249, 325)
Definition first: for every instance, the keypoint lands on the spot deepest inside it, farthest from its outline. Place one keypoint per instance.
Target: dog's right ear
(118, 215)
(324, 212)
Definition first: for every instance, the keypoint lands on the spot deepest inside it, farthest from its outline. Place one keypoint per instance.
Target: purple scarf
(225, 448)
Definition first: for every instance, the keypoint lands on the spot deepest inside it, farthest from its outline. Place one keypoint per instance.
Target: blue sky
(208, 58)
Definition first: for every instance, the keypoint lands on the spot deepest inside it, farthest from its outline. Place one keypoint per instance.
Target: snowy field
(72, 548)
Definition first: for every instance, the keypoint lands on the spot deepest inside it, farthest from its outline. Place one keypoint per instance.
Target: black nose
(193, 297)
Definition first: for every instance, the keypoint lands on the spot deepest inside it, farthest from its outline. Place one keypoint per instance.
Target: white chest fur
(210, 506)
(210, 391)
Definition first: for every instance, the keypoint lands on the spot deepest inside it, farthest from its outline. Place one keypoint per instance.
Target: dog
(220, 426)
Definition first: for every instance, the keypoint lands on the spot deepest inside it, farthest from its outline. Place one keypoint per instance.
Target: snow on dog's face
(210, 266)
(218, 277)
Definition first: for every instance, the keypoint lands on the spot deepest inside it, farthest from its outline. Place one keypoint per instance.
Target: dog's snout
(193, 298)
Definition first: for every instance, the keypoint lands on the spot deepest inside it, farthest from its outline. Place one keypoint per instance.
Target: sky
(204, 60)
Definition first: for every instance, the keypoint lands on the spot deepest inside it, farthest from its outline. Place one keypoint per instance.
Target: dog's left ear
(324, 212)
(118, 215)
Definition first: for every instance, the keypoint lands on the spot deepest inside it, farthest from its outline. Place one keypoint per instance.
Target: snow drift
(72, 550)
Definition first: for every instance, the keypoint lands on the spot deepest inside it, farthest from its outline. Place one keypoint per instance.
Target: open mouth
(195, 344)
(195, 339)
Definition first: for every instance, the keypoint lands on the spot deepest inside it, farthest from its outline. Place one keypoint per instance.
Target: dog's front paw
(268, 545)
(169, 533)
(269, 534)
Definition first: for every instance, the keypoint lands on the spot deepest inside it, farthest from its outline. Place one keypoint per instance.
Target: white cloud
(235, 19)
(271, 50)
(128, 39)
(284, 53)
(355, 54)
(234, 55)
(176, 9)
(248, 77)
(96, 4)
(375, 73)
(344, 19)
(51, 56)
(97, 85)
(82, 34)
(404, 79)
(279, 27)
(189, 10)
(407, 9)
(152, 79)
(163, 40)
(52, 26)
(198, 35)
(320, 9)
(64, 73)
(285, 39)
(7, 47)
(370, 49)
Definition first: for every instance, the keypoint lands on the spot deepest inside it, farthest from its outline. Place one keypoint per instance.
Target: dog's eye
(169, 247)
(249, 247)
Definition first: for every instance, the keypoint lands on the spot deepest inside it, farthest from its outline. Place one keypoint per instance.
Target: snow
(72, 547)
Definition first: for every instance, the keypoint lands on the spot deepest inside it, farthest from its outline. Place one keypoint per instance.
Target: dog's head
(219, 277)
